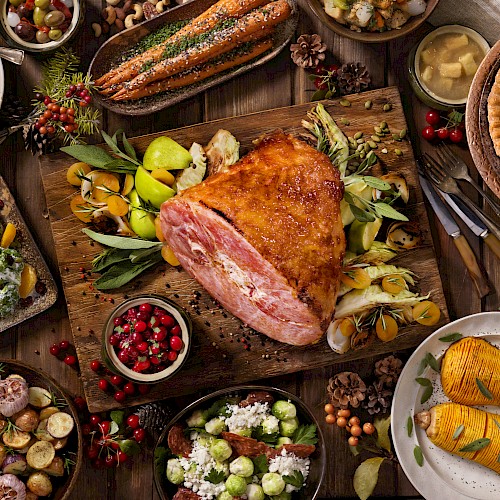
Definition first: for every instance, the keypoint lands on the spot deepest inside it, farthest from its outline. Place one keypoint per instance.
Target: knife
(451, 227)
(473, 222)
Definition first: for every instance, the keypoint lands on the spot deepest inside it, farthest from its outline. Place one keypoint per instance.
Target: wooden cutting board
(224, 351)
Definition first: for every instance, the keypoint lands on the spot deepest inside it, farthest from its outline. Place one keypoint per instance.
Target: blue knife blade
(473, 222)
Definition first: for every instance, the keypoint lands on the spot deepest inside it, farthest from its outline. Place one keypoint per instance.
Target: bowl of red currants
(40, 25)
(146, 339)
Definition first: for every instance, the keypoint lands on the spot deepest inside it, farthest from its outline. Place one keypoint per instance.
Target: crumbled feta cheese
(286, 463)
(247, 417)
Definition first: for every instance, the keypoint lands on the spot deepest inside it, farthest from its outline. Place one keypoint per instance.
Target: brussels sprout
(282, 496)
(205, 439)
(272, 483)
(289, 426)
(215, 426)
(175, 472)
(283, 440)
(284, 410)
(270, 425)
(224, 496)
(220, 450)
(235, 485)
(254, 492)
(241, 466)
(197, 419)
(243, 432)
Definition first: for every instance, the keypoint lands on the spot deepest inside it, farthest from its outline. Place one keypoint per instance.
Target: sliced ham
(266, 239)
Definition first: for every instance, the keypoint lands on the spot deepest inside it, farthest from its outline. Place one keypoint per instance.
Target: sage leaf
(425, 382)
(451, 337)
(128, 147)
(422, 366)
(93, 155)
(361, 215)
(385, 210)
(409, 425)
(110, 141)
(348, 197)
(318, 95)
(432, 362)
(476, 445)
(382, 425)
(109, 257)
(484, 390)
(130, 447)
(143, 254)
(419, 456)
(366, 477)
(426, 394)
(458, 431)
(121, 242)
(113, 428)
(377, 183)
(120, 166)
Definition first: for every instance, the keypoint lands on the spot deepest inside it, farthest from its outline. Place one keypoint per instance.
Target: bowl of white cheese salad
(246, 442)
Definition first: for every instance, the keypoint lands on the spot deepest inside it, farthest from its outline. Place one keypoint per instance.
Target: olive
(55, 34)
(22, 11)
(42, 37)
(25, 31)
(54, 18)
(39, 16)
(43, 4)
(16, 3)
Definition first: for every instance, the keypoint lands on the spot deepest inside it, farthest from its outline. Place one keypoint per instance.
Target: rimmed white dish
(442, 475)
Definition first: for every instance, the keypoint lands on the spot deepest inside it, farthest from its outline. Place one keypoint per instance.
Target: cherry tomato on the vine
(429, 133)
(456, 135)
(432, 117)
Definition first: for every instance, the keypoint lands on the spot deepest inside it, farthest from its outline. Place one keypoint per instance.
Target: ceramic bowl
(366, 36)
(62, 486)
(166, 490)
(110, 356)
(34, 47)
(419, 87)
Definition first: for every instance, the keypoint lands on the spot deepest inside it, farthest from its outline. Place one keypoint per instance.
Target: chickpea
(354, 421)
(344, 413)
(330, 419)
(341, 421)
(353, 441)
(368, 428)
(330, 409)
(356, 430)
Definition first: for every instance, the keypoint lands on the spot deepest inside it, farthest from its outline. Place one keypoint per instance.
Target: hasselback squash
(457, 428)
(470, 372)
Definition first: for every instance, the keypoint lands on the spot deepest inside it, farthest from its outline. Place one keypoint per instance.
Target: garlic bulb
(13, 396)
(12, 488)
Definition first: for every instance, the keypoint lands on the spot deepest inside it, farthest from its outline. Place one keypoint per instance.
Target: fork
(457, 168)
(444, 181)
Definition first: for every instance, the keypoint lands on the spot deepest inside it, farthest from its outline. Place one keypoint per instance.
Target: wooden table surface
(278, 83)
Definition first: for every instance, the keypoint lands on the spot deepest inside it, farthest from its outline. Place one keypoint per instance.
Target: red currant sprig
(449, 126)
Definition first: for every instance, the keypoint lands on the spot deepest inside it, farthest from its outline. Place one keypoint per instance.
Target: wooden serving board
(224, 351)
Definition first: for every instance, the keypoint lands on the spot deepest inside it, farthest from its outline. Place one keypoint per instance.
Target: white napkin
(480, 15)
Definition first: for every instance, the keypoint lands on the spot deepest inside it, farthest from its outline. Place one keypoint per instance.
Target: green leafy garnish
(129, 447)
(458, 431)
(219, 408)
(484, 390)
(409, 426)
(419, 457)
(260, 435)
(452, 337)
(366, 477)
(117, 416)
(260, 464)
(305, 434)
(432, 362)
(215, 476)
(109, 257)
(295, 479)
(382, 425)
(113, 428)
(476, 445)
(425, 382)
(120, 242)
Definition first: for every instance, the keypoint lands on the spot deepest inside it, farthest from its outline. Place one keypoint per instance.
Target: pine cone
(36, 142)
(379, 398)
(353, 77)
(387, 370)
(308, 51)
(346, 389)
(13, 111)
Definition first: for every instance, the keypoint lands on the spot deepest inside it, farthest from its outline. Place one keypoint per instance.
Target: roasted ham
(266, 239)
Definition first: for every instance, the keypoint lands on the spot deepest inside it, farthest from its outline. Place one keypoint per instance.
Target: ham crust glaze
(266, 239)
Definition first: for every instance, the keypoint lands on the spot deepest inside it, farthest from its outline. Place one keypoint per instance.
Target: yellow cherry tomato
(386, 328)
(117, 205)
(394, 283)
(347, 327)
(355, 277)
(426, 313)
(76, 172)
(168, 256)
(81, 208)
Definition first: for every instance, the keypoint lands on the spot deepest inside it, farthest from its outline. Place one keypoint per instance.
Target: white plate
(443, 476)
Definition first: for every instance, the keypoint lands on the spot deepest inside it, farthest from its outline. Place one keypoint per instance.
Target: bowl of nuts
(39, 25)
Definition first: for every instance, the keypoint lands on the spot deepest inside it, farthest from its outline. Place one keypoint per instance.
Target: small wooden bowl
(366, 36)
(34, 377)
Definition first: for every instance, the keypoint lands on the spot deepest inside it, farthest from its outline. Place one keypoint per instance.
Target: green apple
(164, 152)
(141, 222)
(150, 189)
(362, 235)
(360, 189)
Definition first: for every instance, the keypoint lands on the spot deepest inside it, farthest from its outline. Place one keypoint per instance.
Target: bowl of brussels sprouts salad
(245, 442)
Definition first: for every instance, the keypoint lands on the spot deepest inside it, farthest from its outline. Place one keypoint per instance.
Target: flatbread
(494, 113)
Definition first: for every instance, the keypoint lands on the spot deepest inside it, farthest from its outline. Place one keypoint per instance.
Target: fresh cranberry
(167, 320)
(118, 321)
(176, 330)
(110, 461)
(154, 321)
(123, 356)
(124, 343)
(320, 84)
(126, 328)
(429, 133)
(143, 316)
(94, 420)
(54, 350)
(176, 343)
(147, 334)
(319, 70)
(155, 360)
(120, 396)
(155, 349)
(129, 388)
(103, 384)
(104, 427)
(117, 380)
(165, 345)
(93, 451)
(86, 430)
(159, 368)
(132, 313)
(70, 360)
(64, 345)
(139, 434)
(80, 403)
(432, 117)
(172, 356)
(443, 133)
(160, 334)
(95, 365)
(159, 311)
(135, 338)
(142, 347)
(114, 339)
(140, 366)
(140, 326)
(132, 352)
(133, 421)
(121, 457)
(147, 308)
(456, 135)
(143, 389)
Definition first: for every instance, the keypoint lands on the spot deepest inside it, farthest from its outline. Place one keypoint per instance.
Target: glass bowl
(166, 490)
(422, 91)
(15, 41)
(110, 357)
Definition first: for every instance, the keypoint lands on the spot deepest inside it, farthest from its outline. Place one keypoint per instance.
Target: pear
(164, 152)
(141, 222)
(150, 189)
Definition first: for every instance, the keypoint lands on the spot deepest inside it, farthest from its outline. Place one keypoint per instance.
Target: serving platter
(31, 255)
(454, 477)
(110, 53)
(476, 118)
(224, 351)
